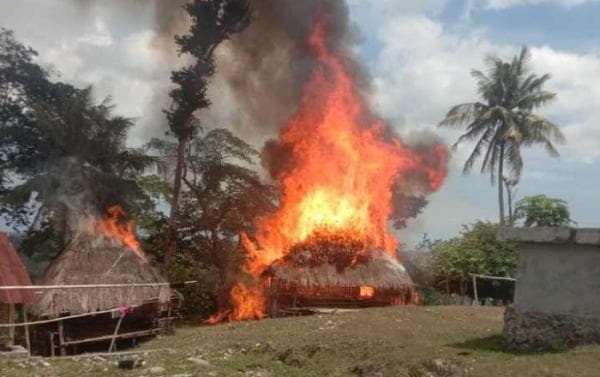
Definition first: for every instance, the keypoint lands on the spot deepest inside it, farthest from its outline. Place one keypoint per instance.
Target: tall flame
(114, 227)
(343, 165)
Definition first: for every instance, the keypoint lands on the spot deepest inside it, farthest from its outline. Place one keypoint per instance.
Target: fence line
(87, 286)
(475, 276)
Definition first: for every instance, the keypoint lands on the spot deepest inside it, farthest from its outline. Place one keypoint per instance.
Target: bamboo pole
(83, 286)
(56, 319)
(475, 297)
(27, 340)
(11, 320)
(493, 277)
(61, 338)
(114, 338)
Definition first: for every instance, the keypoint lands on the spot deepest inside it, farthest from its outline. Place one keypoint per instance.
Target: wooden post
(475, 297)
(52, 345)
(114, 338)
(11, 320)
(61, 338)
(25, 320)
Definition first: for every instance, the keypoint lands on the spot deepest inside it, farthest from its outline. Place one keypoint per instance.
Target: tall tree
(223, 196)
(213, 21)
(57, 144)
(504, 121)
(540, 210)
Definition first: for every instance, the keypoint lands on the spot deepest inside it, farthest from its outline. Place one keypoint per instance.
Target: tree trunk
(500, 185)
(509, 200)
(172, 231)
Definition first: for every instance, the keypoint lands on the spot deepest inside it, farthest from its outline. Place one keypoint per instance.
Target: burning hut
(343, 175)
(12, 273)
(124, 296)
(334, 272)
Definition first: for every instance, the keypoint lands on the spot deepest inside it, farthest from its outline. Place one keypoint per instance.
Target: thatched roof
(378, 271)
(97, 260)
(13, 272)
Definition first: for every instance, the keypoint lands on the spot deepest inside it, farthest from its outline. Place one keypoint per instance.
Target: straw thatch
(379, 271)
(13, 272)
(97, 260)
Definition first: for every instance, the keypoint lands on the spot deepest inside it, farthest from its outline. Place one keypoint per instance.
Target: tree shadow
(495, 343)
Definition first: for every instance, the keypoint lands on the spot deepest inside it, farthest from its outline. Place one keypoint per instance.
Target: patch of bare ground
(396, 341)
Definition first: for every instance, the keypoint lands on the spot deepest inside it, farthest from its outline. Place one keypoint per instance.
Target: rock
(437, 368)
(291, 358)
(182, 375)
(198, 361)
(532, 331)
(156, 370)
(368, 370)
(257, 373)
(126, 364)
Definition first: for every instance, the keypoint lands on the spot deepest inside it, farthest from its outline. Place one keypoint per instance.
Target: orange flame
(114, 227)
(344, 163)
(367, 292)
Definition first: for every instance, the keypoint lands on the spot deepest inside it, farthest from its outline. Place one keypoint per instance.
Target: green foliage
(476, 250)
(540, 210)
(504, 122)
(200, 298)
(431, 296)
(222, 197)
(61, 154)
(213, 21)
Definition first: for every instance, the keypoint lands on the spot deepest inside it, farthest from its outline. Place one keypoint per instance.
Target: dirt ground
(399, 341)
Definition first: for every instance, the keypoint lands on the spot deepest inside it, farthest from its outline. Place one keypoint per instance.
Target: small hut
(102, 314)
(306, 280)
(12, 273)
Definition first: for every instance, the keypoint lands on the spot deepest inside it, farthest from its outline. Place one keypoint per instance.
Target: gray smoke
(261, 71)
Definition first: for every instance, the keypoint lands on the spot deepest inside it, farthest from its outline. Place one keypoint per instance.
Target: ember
(367, 292)
(336, 187)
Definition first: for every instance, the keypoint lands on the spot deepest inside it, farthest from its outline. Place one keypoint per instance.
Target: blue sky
(419, 54)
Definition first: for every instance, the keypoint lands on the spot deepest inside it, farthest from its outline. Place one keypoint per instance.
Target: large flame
(114, 226)
(343, 164)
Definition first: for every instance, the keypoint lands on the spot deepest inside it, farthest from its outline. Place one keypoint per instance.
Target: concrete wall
(558, 281)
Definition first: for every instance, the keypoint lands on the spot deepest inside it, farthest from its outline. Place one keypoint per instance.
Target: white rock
(156, 370)
(198, 361)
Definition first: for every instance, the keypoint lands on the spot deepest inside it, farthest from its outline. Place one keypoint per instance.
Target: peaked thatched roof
(378, 271)
(13, 272)
(97, 260)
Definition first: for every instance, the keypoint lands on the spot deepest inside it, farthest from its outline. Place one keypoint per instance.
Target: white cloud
(504, 4)
(422, 69)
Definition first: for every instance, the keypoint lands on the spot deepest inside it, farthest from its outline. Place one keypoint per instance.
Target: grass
(373, 342)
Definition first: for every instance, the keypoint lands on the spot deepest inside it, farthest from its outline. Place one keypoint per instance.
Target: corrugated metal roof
(13, 272)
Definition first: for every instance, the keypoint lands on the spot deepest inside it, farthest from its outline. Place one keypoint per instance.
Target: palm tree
(504, 121)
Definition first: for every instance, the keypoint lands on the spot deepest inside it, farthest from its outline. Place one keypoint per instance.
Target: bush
(431, 296)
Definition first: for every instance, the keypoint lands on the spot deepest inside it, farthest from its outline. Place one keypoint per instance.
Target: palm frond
(461, 114)
(483, 141)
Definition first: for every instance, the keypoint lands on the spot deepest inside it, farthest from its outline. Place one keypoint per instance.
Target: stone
(438, 368)
(587, 236)
(541, 234)
(198, 361)
(156, 370)
(534, 331)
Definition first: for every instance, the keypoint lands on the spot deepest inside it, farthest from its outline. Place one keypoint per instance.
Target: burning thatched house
(337, 274)
(99, 278)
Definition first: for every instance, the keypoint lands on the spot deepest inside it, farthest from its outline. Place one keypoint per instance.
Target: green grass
(373, 342)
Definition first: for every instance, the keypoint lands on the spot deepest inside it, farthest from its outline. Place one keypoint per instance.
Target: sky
(419, 54)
